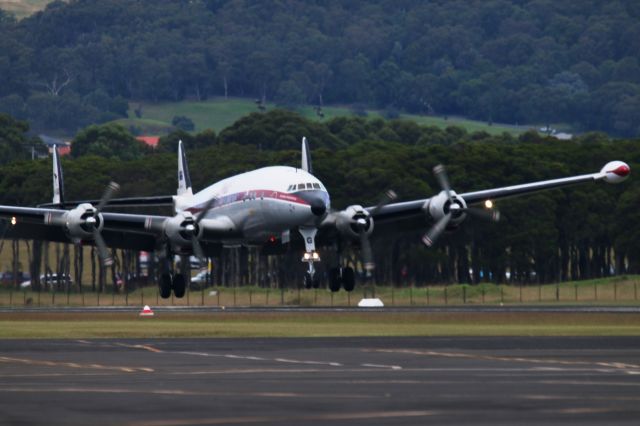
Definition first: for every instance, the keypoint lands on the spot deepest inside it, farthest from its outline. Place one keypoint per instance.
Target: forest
(580, 232)
(511, 61)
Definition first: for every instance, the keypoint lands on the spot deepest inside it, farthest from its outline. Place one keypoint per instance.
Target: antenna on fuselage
(184, 180)
(306, 157)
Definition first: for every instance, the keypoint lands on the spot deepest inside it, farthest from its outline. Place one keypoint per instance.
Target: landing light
(13, 220)
(488, 204)
(311, 256)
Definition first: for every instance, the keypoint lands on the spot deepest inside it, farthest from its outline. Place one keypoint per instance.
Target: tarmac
(321, 381)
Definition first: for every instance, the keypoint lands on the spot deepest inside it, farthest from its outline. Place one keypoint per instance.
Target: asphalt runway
(321, 381)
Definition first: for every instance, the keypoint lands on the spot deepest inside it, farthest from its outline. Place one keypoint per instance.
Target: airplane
(261, 208)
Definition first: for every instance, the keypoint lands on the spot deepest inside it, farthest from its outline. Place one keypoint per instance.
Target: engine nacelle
(354, 220)
(181, 228)
(615, 171)
(80, 222)
(440, 205)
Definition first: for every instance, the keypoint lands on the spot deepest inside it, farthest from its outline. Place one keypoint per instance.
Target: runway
(321, 381)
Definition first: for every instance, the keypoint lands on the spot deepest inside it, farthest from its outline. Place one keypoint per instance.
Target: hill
(517, 61)
(219, 114)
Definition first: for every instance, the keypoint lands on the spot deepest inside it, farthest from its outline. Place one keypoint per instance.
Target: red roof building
(149, 140)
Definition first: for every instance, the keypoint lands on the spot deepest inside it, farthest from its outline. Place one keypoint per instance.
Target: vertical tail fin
(306, 157)
(58, 180)
(184, 180)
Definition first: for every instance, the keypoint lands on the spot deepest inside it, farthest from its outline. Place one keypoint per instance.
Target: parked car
(200, 280)
(6, 278)
(49, 280)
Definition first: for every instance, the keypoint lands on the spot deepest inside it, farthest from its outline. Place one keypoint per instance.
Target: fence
(621, 290)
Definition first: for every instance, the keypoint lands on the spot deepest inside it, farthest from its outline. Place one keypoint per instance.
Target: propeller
(92, 223)
(362, 224)
(193, 230)
(454, 209)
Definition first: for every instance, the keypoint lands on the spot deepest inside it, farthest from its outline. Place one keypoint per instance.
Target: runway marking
(296, 361)
(290, 419)
(391, 367)
(10, 360)
(580, 398)
(145, 347)
(234, 356)
(181, 392)
(614, 365)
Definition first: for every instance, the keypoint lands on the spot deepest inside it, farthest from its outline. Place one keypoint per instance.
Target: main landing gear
(175, 282)
(172, 281)
(342, 277)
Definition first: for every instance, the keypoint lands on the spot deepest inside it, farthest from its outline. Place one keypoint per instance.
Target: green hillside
(219, 113)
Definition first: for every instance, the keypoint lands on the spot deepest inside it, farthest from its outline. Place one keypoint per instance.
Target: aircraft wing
(417, 214)
(119, 230)
(152, 201)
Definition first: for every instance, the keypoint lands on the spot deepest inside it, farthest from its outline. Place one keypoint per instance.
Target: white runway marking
(391, 367)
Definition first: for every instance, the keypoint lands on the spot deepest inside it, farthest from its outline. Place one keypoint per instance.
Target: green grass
(329, 324)
(23, 8)
(219, 113)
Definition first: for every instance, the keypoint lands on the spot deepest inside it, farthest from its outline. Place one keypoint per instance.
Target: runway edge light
(146, 311)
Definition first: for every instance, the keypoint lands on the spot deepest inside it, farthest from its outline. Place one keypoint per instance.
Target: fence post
(482, 289)
(539, 292)
(576, 288)
(501, 293)
(615, 291)
(411, 295)
(520, 289)
(464, 294)
(446, 296)
(428, 298)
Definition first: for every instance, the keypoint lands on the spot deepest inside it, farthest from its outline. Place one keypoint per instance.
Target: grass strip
(329, 324)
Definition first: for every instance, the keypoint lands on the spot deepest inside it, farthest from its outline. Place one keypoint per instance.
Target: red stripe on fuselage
(251, 195)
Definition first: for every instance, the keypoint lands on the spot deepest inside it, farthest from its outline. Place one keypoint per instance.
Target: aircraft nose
(318, 207)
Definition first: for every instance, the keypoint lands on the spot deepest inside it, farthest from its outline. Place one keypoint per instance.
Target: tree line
(528, 61)
(586, 231)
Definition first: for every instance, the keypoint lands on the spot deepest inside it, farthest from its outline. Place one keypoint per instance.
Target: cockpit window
(309, 186)
(316, 185)
(301, 186)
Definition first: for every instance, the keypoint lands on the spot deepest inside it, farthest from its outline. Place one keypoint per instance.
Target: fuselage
(263, 203)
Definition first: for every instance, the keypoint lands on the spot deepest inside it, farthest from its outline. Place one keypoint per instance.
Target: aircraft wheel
(348, 279)
(165, 285)
(334, 279)
(315, 283)
(179, 285)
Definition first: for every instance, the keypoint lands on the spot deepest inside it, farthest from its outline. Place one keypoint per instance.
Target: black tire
(165, 285)
(335, 281)
(348, 279)
(179, 285)
(315, 283)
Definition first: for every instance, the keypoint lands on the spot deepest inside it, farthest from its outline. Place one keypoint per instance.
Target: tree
(13, 139)
(184, 123)
(109, 141)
